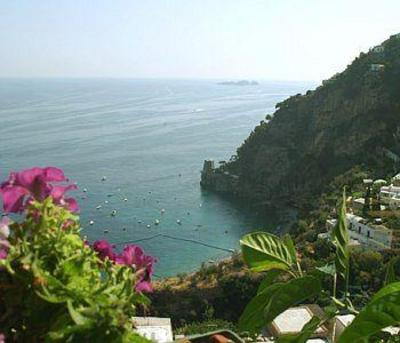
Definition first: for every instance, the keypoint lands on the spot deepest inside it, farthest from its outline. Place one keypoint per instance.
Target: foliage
(54, 286)
(205, 326)
(263, 252)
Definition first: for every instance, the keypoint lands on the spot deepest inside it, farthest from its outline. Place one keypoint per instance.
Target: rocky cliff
(352, 118)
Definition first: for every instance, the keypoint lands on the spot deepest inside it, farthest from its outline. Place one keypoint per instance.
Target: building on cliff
(390, 195)
(218, 179)
(373, 235)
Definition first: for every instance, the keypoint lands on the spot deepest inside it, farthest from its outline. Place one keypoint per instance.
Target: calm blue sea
(149, 139)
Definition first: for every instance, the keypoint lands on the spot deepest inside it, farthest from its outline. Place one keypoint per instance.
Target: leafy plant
(54, 286)
(265, 252)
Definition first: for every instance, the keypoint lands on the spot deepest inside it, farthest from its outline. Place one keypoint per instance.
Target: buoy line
(178, 239)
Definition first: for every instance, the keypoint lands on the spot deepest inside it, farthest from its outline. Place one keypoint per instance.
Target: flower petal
(13, 198)
(104, 249)
(4, 227)
(53, 174)
(57, 192)
(144, 287)
(72, 205)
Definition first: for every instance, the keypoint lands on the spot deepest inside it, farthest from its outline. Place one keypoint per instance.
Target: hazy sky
(265, 39)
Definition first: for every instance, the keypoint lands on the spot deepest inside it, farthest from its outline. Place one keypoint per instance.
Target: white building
(375, 236)
(396, 180)
(293, 319)
(390, 195)
(155, 329)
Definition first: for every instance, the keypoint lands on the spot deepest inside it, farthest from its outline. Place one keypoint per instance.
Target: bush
(54, 286)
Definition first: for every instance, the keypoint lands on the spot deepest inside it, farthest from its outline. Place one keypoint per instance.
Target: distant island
(239, 83)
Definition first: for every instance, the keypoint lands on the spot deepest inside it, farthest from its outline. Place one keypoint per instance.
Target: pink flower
(4, 233)
(133, 256)
(2, 338)
(104, 249)
(36, 183)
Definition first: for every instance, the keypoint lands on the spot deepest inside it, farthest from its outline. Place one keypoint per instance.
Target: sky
(208, 39)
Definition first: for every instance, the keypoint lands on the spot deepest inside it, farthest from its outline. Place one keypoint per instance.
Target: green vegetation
(265, 252)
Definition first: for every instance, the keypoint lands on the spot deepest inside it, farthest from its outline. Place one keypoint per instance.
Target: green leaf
(291, 293)
(287, 240)
(390, 272)
(340, 237)
(263, 251)
(77, 317)
(252, 318)
(328, 269)
(270, 276)
(275, 299)
(306, 332)
(382, 311)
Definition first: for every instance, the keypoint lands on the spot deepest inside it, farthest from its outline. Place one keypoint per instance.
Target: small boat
(126, 199)
(98, 207)
(103, 178)
(162, 211)
(148, 226)
(105, 231)
(179, 222)
(113, 213)
(91, 222)
(156, 222)
(106, 201)
(85, 190)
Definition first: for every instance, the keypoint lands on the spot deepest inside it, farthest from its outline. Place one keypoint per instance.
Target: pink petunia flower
(104, 249)
(133, 256)
(36, 183)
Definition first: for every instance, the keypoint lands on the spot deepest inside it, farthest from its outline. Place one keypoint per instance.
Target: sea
(136, 149)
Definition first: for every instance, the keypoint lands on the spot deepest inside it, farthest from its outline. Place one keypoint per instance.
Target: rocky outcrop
(353, 118)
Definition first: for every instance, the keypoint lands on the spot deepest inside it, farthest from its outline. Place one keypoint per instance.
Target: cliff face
(353, 118)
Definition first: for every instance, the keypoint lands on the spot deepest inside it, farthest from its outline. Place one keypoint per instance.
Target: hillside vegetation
(352, 119)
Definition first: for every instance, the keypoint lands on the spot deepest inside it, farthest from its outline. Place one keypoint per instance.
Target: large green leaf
(291, 293)
(264, 251)
(275, 299)
(390, 271)
(269, 278)
(302, 337)
(252, 319)
(382, 311)
(340, 237)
